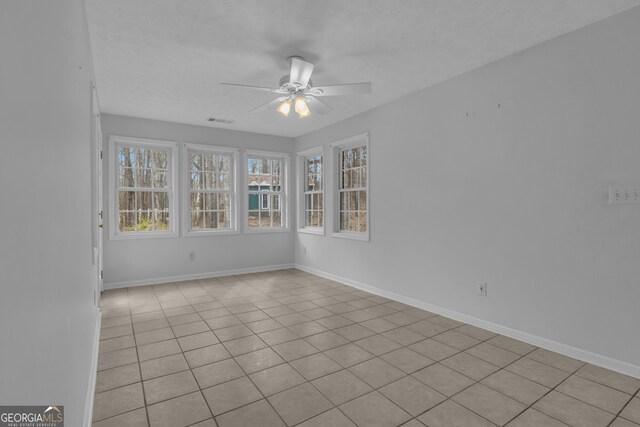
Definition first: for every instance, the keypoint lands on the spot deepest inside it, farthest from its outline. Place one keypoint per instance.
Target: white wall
(501, 175)
(47, 314)
(149, 260)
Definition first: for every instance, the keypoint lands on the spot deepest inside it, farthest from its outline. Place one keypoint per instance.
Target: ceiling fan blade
(269, 104)
(318, 106)
(345, 89)
(300, 71)
(260, 88)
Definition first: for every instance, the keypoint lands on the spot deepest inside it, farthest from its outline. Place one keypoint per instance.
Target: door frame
(97, 202)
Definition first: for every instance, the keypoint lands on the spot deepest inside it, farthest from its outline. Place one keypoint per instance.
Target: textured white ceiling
(164, 59)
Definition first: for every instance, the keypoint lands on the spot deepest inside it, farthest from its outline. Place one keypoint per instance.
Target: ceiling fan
(297, 89)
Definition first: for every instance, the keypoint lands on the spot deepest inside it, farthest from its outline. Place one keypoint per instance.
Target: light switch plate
(624, 194)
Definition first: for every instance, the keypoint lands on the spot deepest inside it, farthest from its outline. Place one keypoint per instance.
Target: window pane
(127, 221)
(211, 220)
(254, 201)
(275, 202)
(265, 166)
(224, 202)
(276, 216)
(356, 157)
(197, 201)
(316, 201)
(344, 200)
(307, 218)
(264, 202)
(363, 221)
(254, 219)
(264, 182)
(224, 181)
(355, 178)
(353, 200)
(196, 162)
(344, 221)
(363, 177)
(162, 221)
(160, 201)
(144, 201)
(252, 166)
(353, 221)
(363, 156)
(127, 177)
(145, 221)
(196, 180)
(126, 200)
(362, 202)
(224, 219)
(126, 157)
(265, 219)
(275, 183)
(144, 178)
(320, 219)
(161, 159)
(211, 202)
(209, 182)
(346, 179)
(209, 162)
(320, 204)
(314, 219)
(224, 164)
(196, 220)
(160, 179)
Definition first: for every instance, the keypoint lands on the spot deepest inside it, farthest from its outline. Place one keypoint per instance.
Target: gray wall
(146, 260)
(501, 175)
(47, 314)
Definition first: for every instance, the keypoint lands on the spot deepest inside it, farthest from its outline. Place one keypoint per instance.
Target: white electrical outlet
(624, 194)
(482, 289)
(192, 256)
(304, 250)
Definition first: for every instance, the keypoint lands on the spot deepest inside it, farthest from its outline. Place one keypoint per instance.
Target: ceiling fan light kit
(284, 108)
(297, 89)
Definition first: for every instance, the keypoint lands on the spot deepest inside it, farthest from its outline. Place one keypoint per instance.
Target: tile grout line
(306, 288)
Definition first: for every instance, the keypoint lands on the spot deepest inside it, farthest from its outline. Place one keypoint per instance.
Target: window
(311, 199)
(211, 189)
(352, 160)
(266, 189)
(142, 177)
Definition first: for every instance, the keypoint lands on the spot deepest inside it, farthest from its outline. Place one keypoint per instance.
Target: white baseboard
(567, 350)
(91, 387)
(167, 279)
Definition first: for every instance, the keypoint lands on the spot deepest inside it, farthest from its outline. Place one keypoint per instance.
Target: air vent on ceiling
(218, 120)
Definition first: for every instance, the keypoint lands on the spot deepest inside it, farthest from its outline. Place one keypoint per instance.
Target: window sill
(140, 236)
(248, 230)
(364, 237)
(308, 230)
(209, 233)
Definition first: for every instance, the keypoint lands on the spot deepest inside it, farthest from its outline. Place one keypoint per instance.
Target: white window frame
(336, 149)
(186, 186)
(174, 210)
(301, 172)
(284, 194)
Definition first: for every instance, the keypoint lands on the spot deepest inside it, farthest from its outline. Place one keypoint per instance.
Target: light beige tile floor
(288, 348)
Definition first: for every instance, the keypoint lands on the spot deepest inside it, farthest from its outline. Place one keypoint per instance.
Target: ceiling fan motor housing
(293, 88)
